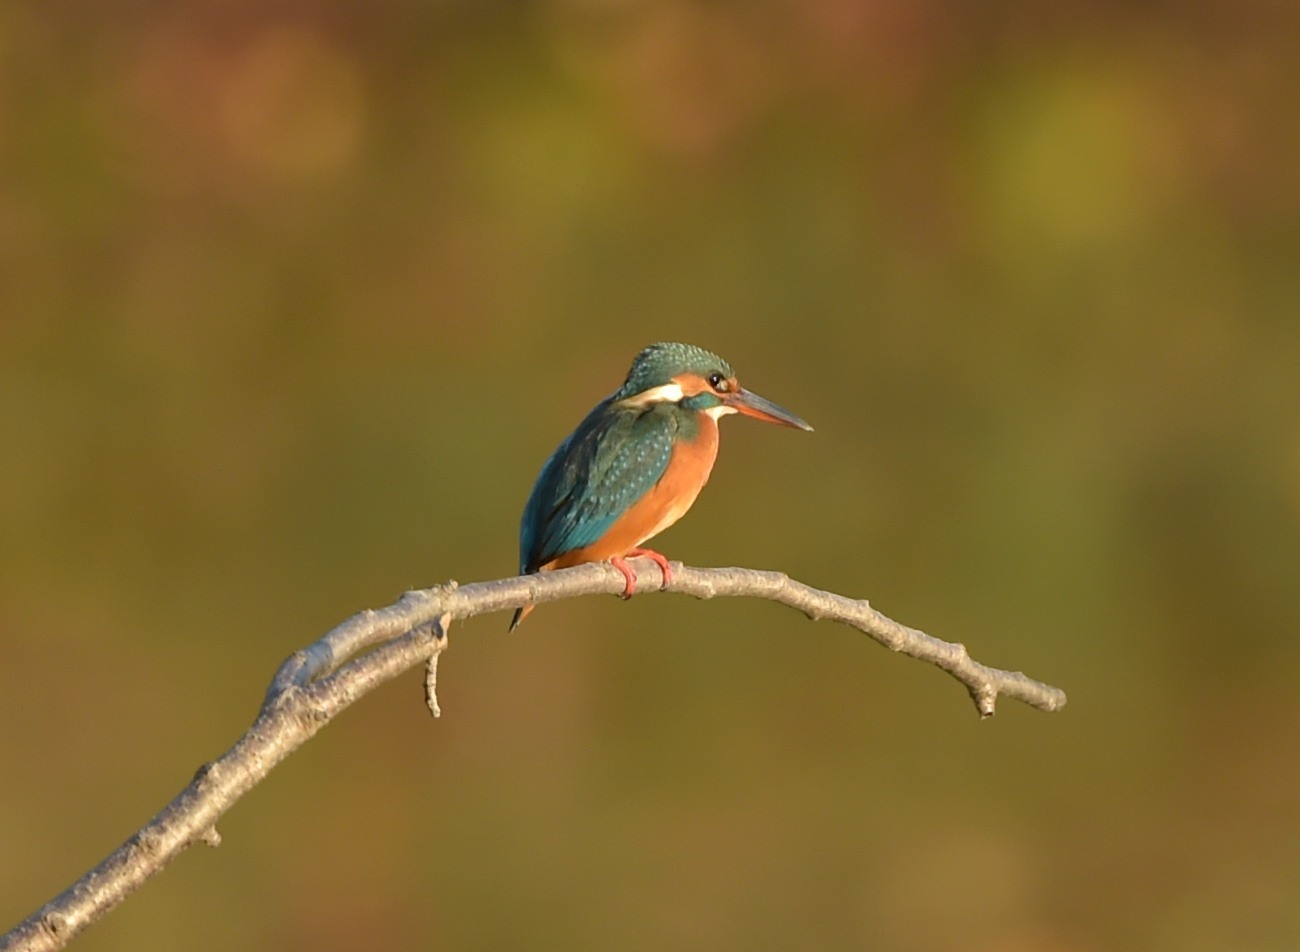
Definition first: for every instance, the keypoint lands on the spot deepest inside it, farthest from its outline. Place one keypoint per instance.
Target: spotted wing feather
(611, 460)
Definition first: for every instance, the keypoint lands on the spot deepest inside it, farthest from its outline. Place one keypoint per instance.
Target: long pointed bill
(751, 404)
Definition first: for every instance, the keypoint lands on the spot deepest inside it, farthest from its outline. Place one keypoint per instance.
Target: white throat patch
(720, 411)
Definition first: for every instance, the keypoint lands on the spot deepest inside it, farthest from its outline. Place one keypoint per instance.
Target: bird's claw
(660, 561)
(629, 577)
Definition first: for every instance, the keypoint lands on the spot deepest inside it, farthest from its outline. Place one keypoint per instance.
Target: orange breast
(666, 502)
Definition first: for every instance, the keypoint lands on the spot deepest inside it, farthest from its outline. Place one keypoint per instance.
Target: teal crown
(658, 364)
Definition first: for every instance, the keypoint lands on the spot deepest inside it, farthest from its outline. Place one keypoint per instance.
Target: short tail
(520, 614)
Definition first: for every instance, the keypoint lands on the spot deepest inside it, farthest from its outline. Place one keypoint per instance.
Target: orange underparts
(666, 502)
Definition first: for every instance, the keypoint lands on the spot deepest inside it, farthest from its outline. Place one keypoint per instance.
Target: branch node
(148, 841)
(210, 837)
(284, 697)
(56, 924)
(309, 711)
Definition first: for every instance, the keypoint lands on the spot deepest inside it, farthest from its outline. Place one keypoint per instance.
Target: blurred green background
(295, 299)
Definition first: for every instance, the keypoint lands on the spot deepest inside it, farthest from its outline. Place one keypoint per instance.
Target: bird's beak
(751, 404)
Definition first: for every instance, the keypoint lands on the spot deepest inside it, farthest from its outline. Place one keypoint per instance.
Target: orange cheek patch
(691, 384)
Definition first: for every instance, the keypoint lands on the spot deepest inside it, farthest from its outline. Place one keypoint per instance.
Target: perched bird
(636, 463)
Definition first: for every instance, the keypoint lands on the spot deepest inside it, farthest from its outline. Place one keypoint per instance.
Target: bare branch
(319, 681)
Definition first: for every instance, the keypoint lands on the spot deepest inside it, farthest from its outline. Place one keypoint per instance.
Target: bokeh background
(296, 297)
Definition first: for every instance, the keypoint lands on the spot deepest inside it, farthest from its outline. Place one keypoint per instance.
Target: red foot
(660, 561)
(629, 577)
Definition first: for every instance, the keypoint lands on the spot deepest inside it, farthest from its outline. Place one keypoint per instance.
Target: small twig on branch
(319, 681)
(431, 668)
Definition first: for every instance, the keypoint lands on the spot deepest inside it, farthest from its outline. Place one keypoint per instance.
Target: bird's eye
(719, 382)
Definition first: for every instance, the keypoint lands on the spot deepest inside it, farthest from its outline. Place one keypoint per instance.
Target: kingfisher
(635, 464)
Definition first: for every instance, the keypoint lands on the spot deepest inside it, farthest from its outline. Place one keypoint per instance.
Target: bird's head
(697, 380)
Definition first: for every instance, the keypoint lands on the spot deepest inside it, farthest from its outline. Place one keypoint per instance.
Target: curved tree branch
(373, 647)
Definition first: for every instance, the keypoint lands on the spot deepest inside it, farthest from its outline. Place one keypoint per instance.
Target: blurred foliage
(295, 298)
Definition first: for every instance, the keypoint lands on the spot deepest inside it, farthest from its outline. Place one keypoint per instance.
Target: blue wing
(610, 461)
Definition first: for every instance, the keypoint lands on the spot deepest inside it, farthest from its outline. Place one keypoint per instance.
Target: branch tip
(985, 696)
